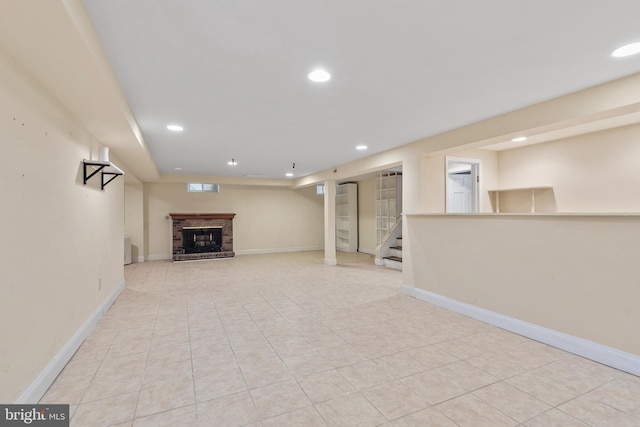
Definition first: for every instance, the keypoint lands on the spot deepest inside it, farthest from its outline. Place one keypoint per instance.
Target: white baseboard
(159, 257)
(140, 259)
(591, 350)
(277, 250)
(43, 381)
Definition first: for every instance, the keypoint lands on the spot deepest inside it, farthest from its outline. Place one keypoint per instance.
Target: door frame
(476, 178)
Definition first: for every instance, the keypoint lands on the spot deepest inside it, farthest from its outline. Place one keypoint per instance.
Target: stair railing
(384, 248)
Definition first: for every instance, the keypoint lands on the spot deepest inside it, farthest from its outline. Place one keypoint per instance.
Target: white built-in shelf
(347, 217)
(388, 202)
(532, 190)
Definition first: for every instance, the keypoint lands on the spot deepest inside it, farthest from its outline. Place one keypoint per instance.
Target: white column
(330, 222)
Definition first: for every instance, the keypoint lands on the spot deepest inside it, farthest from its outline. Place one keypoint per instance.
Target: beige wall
(60, 237)
(573, 274)
(367, 215)
(433, 177)
(268, 219)
(597, 172)
(134, 220)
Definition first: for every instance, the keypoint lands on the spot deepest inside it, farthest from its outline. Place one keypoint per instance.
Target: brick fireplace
(202, 236)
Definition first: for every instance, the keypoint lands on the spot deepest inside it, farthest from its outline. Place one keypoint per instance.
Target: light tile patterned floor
(283, 340)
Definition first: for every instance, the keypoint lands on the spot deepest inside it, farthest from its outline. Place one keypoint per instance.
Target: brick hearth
(202, 220)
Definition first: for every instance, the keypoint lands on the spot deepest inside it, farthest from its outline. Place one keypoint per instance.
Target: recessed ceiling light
(232, 162)
(319, 76)
(626, 50)
(178, 169)
(519, 139)
(361, 147)
(289, 174)
(175, 128)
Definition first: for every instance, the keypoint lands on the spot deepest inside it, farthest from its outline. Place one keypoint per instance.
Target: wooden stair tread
(396, 247)
(394, 258)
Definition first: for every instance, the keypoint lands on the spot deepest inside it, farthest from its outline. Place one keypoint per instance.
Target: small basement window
(196, 187)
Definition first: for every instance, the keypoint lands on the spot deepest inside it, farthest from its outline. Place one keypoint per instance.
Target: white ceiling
(233, 72)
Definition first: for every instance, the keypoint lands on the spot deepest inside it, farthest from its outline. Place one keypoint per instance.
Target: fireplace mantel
(202, 215)
(183, 221)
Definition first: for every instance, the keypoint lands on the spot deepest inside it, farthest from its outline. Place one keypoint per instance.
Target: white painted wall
(60, 237)
(597, 172)
(134, 220)
(367, 215)
(268, 219)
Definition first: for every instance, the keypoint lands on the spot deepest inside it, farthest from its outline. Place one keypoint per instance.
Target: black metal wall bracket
(99, 166)
(113, 175)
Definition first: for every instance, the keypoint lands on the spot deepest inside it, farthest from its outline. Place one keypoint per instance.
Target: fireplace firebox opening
(202, 239)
